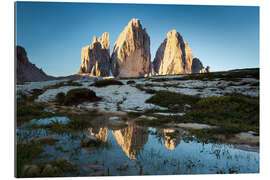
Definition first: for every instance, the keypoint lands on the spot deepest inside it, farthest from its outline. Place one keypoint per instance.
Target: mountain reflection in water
(131, 138)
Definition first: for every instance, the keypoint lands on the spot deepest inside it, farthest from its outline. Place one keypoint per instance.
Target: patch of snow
(125, 97)
(114, 118)
(196, 126)
(37, 85)
(147, 117)
(170, 114)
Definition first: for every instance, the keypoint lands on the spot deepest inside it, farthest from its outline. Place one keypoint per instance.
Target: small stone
(31, 170)
(97, 174)
(187, 106)
(45, 139)
(49, 170)
(115, 118)
(94, 167)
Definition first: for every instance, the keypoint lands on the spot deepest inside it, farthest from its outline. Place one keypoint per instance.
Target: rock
(114, 118)
(197, 67)
(174, 56)
(31, 170)
(26, 71)
(96, 57)
(195, 126)
(49, 170)
(45, 139)
(88, 140)
(97, 174)
(187, 105)
(147, 117)
(131, 53)
(94, 167)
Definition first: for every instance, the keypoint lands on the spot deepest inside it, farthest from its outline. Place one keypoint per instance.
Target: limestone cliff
(131, 53)
(96, 57)
(174, 56)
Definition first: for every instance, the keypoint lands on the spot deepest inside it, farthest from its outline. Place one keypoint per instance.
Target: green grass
(28, 110)
(25, 154)
(75, 123)
(76, 96)
(232, 113)
(141, 87)
(173, 101)
(227, 76)
(106, 82)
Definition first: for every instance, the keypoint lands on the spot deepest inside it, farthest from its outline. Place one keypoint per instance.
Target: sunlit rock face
(26, 71)
(197, 67)
(131, 53)
(96, 57)
(174, 56)
(131, 139)
(99, 133)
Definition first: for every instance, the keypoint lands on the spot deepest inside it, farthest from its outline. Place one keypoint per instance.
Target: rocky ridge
(131, 55)
(26, 71)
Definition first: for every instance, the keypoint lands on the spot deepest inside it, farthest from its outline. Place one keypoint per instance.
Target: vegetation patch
(106, 82)
(175, 102)
(26, 153)
(27, 110)
(131, 82)
(61, 84)
(77, 96)
(232, 113)
(75, 123)
(141, 87)
(235, 75)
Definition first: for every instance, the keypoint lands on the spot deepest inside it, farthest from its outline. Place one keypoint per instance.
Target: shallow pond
(137, 150)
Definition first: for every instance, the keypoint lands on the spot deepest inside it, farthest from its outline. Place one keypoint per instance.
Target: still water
(140, 150)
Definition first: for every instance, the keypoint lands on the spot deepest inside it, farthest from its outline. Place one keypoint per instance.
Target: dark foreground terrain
(180, 124)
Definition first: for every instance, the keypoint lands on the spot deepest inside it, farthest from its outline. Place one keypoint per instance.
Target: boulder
(31, 170)
(49, 170)
(131, 53)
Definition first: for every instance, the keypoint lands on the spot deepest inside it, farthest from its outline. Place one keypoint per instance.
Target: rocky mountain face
(197, 67)
(131, 53)
(174, 56)
(96, 57)
(26, 71)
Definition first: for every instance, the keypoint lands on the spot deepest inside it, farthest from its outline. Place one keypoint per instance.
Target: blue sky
(223, 37)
